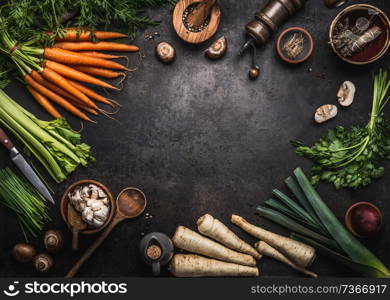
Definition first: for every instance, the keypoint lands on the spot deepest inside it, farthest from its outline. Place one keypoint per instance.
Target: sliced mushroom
(325, 113)
(346, 93)
(217, 49)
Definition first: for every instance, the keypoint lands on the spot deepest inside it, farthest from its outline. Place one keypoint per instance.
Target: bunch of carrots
(56, 74)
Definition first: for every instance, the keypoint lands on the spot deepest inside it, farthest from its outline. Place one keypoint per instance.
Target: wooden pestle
(199, 15)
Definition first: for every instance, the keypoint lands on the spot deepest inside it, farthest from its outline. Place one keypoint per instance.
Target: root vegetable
(191, 241)
(215, 229)
(99, 71)
(73, 74)
(102, 55)
(75, 58)
(74, 35)
(45, 103)
(90, 93)
(301, 254)
(62, 82)
(55, 98)
(265, 249)
(99, 46)
(190, 265)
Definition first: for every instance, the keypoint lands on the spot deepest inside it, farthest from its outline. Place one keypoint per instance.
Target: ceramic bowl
(373, 51)
(308, 45)
(348, 216)
(65, 201)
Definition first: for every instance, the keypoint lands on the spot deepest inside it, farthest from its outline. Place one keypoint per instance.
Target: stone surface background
(198, 137)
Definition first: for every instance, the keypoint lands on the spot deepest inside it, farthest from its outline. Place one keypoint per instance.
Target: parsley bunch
(351, 158)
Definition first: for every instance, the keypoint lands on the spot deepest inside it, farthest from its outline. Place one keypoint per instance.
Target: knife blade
(24, 167)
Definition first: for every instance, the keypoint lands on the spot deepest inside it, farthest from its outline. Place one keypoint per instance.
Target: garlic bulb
(93, 204)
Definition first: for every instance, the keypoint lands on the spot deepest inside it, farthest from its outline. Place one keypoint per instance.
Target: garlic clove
(346, 93)
(101, 193)
(325, 113)
(97, 223)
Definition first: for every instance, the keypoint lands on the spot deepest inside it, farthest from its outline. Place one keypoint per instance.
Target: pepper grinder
(156, 249)
(266, 22)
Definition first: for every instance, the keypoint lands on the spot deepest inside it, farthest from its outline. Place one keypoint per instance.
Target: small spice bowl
(65, 201)
(376, 48)
(350, 211)
(295, 45)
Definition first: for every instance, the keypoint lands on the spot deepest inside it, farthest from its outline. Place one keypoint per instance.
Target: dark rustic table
(198, 137)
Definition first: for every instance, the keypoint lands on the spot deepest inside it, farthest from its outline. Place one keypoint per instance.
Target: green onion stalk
(25, 201)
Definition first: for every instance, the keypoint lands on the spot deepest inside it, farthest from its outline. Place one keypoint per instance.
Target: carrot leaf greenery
(30, 18)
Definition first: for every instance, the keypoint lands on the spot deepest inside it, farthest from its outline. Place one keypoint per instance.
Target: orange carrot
(39, 78)
(62, 82)
(44, 102)
(55, 98)
(99, 71)
(84, 107)
(100, 46)
(76, 75)
(74, 34)
(90, 93)
(101, 55)
(74, 58)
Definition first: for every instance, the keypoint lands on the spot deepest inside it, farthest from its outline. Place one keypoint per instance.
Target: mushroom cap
(165, 52)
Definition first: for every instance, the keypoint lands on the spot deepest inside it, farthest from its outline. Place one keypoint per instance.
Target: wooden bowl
(348, 216)
(65, 201)
(194, 37)
(373, 51)
(308, 45)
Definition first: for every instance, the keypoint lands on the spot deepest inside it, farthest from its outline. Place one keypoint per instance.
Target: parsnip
(191, 241)
(301, 254)
(267, 250)
(215, 229)
(191, 265)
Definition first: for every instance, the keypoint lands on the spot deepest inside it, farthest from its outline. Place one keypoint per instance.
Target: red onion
(366, 220)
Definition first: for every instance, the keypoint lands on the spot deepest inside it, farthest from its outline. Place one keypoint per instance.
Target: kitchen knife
(24, 167)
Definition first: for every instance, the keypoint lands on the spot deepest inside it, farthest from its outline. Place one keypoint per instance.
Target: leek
(351, 246)
(322, 230)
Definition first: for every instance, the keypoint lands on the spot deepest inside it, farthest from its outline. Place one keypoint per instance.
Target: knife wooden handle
(5, 140)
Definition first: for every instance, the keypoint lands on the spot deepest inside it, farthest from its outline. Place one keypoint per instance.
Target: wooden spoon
(76, 224)
(199, 15)
(130, 203)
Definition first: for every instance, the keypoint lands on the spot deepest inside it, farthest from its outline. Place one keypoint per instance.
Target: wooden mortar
(194, 37)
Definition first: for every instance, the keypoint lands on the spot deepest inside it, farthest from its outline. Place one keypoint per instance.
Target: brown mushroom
(165, 52)
(43, 262)
(23, 253)
(53, 241)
